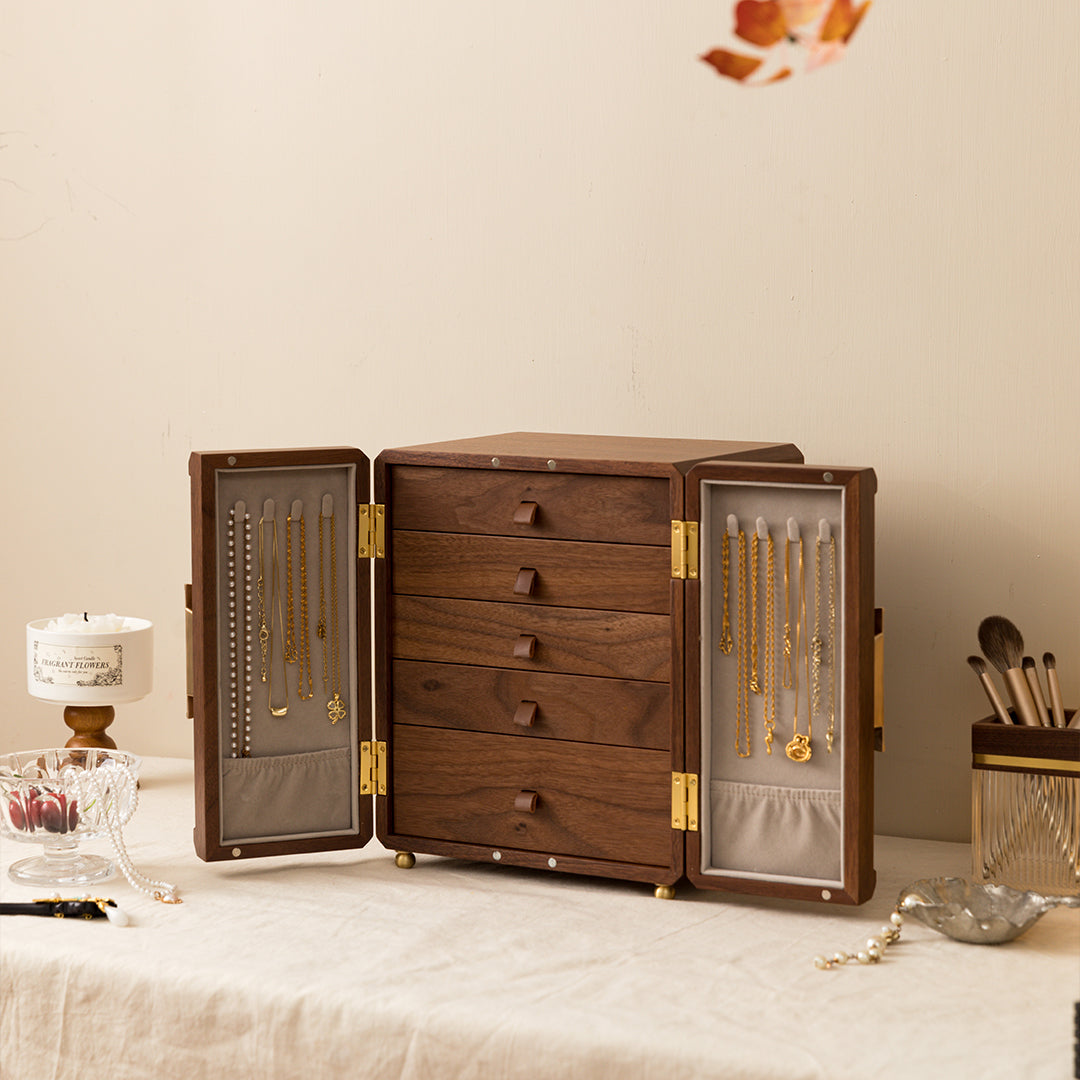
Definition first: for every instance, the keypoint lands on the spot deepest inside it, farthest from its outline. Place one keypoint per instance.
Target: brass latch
(684, 549)
(684, 801)
(372, 534)
(373, 768)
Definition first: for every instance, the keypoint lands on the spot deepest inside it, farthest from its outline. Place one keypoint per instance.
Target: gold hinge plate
(684, 801)
(372, 534)
(684, 549)
(373, 768)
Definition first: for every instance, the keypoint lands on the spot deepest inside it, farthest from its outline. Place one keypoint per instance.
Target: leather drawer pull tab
(526, 582)
(526, 802)
(525, 514)
(525, 715)
(525, 646)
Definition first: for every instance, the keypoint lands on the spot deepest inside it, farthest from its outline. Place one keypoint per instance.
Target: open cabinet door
(780, 680)
(280, 651)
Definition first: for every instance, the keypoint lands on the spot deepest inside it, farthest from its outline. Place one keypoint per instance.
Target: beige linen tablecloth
(345, 966)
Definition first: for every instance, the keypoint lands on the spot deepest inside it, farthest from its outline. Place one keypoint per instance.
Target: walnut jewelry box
(637, 658)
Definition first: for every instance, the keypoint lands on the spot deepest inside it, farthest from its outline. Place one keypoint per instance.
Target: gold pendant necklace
(799, 748)
(335, 707)
(742, 703)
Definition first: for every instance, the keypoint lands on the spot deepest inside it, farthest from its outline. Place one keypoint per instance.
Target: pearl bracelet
(874, 950)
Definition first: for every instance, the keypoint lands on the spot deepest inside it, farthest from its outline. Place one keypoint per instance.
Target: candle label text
(78, 665)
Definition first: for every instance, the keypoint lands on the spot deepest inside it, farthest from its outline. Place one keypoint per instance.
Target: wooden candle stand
(89, 723)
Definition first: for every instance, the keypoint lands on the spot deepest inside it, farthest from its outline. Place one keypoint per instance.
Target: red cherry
(73, 815)
(53, 813)
(33, 809)
(16, 815)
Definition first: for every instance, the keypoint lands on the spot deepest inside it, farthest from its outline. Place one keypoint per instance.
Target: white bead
(841, 957)
(896, 919)
(863, 957)
(875, 943)
(820, 963)
(874, 952)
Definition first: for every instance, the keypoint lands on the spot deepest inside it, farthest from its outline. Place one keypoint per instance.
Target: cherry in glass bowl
(58, 798)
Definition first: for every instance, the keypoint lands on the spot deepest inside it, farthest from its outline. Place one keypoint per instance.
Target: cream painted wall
(277, 224)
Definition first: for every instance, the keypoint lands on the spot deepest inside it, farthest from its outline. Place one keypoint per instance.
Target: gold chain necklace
(830, 733)
(320, 627)
(305, 635)
(290, 626)
(335, 707)
(755, 685)
(266, 633)
(725, 643)
(742, 703)
(769, 705)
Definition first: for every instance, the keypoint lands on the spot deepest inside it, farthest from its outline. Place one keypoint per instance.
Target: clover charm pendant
(335, 709)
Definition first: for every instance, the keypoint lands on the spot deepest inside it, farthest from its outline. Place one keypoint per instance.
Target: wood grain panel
(620, 577)
(613, 644)
(599, 802)
(568, 707)
(612, 509)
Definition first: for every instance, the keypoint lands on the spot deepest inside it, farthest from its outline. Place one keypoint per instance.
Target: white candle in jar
(83, 659)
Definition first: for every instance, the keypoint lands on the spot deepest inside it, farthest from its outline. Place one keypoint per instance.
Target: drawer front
(567, 506)
(613, 644)
(619, 577)
(600, 802)
(534, 704)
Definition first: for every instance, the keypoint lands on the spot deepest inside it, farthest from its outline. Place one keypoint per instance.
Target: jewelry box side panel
(780, 685)
(280, 707)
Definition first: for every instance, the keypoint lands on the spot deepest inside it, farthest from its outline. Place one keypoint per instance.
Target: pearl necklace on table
(121, 789)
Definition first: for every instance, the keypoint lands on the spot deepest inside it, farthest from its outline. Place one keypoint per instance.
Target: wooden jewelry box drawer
(563, 799)
(615, 644)
(508, 502)
(542, 705)
(617, 577)
(544, 690)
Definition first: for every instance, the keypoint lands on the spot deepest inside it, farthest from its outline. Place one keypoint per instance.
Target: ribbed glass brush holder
(1025, 825)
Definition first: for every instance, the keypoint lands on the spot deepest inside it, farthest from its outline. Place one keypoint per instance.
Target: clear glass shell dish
(974, 912)
(47, 799)
(1025, 830)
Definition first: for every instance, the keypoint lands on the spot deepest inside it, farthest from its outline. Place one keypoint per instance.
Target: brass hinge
(373, 768)
(684, 801)
(372, 535)
(684, 549)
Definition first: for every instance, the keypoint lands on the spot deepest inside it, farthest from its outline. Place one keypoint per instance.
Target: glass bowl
(981, 914)
(58, 798)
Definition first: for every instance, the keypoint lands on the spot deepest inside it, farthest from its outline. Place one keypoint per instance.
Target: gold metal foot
(665, 892)
(405, 859)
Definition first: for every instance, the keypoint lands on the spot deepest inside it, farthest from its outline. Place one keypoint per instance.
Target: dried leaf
(842, 21)
(733, 65)
(761, 22)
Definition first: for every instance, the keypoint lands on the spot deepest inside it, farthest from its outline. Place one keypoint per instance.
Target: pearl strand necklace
(122, 789)
(239, 566)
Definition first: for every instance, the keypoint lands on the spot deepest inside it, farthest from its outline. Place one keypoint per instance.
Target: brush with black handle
(1003, 645)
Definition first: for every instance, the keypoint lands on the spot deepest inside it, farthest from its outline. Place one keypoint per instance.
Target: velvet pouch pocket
(782, 831)
(287, 795)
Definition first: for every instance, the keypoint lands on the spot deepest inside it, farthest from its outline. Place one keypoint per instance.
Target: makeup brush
(1035, 687)
(1003, 645)
(1057, 702)
(978, 665)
